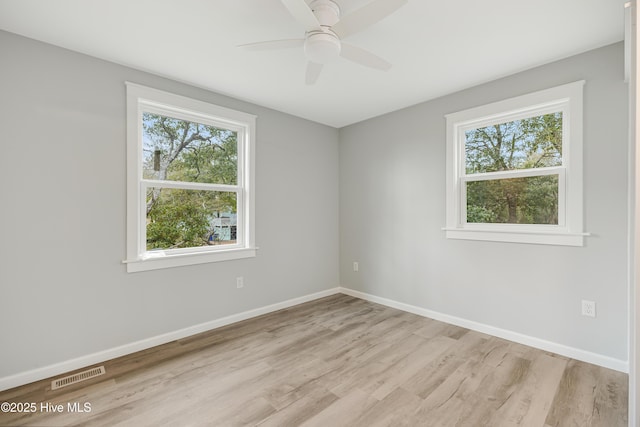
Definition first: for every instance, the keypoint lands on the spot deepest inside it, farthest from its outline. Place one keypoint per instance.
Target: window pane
(534, 142)
(189, 218)
(178, 150)
(531, 200)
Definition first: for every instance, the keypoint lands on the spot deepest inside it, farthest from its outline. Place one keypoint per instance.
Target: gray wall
(64, 291)
(392, 209)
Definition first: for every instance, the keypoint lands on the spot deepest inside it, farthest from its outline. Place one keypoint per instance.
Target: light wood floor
(338, 361)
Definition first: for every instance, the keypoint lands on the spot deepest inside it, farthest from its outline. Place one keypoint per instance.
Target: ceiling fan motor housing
(327, 12)
(322, 46)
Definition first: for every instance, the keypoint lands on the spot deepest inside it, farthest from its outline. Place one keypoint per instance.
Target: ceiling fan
(325, 30)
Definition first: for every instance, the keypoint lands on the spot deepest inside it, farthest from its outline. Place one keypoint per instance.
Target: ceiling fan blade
(301, 12)
(366, 16)
(273, 44)
(313, 72)
(364, 57)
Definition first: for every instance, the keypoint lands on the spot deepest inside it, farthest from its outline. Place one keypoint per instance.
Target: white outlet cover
(588, 308)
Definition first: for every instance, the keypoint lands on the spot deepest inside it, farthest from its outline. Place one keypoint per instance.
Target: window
(189, 181)
(514, 169)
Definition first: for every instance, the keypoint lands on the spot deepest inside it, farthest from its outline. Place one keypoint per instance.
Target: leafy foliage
(183, 218)
(479, 214)
(188, 152)
(532, 200)
(528, 143)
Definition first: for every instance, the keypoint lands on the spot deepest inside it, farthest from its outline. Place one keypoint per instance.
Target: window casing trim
(566, 99)
(144, 99)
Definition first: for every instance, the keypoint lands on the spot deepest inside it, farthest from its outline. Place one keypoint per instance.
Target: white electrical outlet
(239, 282)
(588, 308)
(355, 266)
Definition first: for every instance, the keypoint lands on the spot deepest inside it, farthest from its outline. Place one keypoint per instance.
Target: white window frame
(569, 230)
(142, 99)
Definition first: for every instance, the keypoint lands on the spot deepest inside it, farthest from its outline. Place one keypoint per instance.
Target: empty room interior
(315, 212)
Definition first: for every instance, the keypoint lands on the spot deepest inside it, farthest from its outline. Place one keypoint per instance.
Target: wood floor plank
(589, 396)
(435, 328)
(475, 392)
(305, 402)
(437, 371)
(406, 368)
(396, 409)
(344, 411)
(332, 362)
(376, 367)
(530, 403)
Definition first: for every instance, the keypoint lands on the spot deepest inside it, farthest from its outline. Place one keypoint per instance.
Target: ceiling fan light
(322, 47)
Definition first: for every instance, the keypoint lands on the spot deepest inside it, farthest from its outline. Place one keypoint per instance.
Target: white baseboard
(574, 353)
(102, 356)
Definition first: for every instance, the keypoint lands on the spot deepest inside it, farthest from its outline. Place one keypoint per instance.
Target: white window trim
(141, 98)
(569, 231)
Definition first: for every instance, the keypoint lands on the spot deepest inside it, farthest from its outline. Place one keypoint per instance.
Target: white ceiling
(436, 46)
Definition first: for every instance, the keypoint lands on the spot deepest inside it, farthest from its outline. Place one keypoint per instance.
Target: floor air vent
(76, 378)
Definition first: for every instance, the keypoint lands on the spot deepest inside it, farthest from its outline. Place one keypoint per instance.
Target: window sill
(531, 237)
(179, 260)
